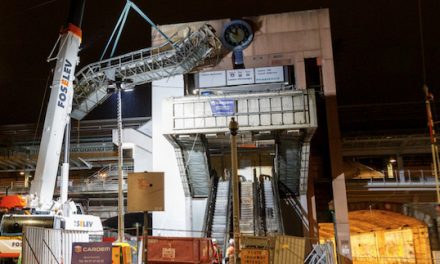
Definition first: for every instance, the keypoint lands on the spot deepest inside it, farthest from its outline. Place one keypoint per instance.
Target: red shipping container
(179, 250)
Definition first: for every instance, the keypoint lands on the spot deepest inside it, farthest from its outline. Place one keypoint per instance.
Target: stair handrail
(296, 205)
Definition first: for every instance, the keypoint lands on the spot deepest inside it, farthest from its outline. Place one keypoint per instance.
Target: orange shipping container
(179, 250)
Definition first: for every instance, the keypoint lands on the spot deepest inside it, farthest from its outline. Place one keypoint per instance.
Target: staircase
(195, 160)
(219, 222)
(289, 163)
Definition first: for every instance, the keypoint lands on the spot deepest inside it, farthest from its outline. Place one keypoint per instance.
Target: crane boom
(58, 110)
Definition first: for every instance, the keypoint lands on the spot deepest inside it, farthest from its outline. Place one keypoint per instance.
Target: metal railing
(321, 254)
(103, 180)
(405, 177)
(15, 187)
(141, 67)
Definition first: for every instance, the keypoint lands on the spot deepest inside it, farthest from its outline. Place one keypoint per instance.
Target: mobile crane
(151, 64)
(40, 205)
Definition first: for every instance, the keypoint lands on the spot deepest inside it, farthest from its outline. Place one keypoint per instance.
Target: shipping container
(179, 250)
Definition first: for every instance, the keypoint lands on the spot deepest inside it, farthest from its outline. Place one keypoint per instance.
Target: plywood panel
(289, 249)
(364, 248)
(421, 245)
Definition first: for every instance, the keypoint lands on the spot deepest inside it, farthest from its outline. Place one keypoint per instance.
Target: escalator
(218, 212)
(272, 219)
(247, 202)
(259, 210)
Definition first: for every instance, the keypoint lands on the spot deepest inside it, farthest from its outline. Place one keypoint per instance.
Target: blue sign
(223, 107)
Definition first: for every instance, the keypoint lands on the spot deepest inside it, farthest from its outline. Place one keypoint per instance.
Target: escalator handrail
(261, 204)
(209, 213)
(274, 181)
(228, 217)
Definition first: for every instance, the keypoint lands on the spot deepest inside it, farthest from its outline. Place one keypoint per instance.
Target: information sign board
(254, 256)
(241, 76)
(222, 107)
(212, 79)
(91, 253)
(269, 74)
(145, 191)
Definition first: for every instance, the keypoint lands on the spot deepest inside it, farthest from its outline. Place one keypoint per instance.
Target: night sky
(376, 44)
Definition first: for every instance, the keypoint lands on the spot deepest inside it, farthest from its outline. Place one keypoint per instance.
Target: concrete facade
(280, 39)
(176, 214)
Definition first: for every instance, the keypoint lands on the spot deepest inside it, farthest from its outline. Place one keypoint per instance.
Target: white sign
(242, 76)
(269, 74)
(212, 79)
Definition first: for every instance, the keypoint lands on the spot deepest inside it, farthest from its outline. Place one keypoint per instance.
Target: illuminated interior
(379, 236)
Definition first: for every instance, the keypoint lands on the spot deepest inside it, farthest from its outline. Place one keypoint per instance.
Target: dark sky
(377, 51)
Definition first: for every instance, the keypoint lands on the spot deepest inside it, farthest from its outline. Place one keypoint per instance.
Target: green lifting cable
(120, 26)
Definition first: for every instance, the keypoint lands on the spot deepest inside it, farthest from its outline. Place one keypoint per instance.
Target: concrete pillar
(338, 184)
(177, 214)
(335, 146)
(300, 71)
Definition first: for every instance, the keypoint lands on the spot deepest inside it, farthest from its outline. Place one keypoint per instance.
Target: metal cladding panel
(276, 104)
(68, 238)
(287, 103)
(210, 121)
(253, 111)
(265, 120)
(298, 108)
(49, 246)
(243, 120)
(222, 121)
(276, 119)
(178, 123)
(199, 109)
(265, 104)
(288, 118)
(41, 245)
(178, 110)
(289, 249)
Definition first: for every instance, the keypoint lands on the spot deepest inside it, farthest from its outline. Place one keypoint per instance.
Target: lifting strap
(120, 26)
